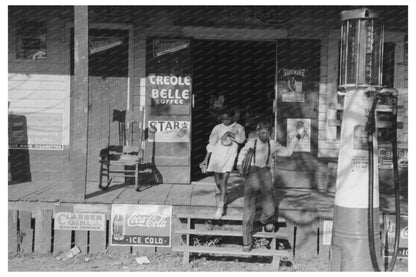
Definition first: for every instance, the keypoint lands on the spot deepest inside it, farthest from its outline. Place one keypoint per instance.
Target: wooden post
(26, 231)
(12, 234)
(79, 118)
(43, 231)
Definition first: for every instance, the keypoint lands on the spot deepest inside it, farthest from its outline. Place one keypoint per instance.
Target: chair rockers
(126, 158)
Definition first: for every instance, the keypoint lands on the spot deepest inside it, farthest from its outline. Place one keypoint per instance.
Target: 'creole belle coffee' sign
(169, 90)
(141, 225)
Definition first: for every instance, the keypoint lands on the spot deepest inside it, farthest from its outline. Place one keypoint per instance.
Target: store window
(31, 40)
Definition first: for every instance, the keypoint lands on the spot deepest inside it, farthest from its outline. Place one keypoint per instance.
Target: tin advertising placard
(169, 131)
(390, 232)
(141, 225)
(83, 221)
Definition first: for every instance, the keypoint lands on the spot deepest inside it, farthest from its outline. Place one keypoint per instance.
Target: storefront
(178, 66)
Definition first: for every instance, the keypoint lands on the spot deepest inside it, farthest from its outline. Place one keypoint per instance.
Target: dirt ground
(163, 262)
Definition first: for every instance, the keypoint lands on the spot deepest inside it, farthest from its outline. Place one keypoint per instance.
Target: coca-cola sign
(144, 225)
(150, 221)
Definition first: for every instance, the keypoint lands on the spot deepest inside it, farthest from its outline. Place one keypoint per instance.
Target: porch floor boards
(307, 203)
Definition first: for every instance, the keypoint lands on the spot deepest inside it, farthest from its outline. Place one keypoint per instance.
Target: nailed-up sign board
(169, 90)
(38, 130)
(390, 230)
(169, 131)
(290, 84)
(141, 225)
(164, 46)
(80, 221)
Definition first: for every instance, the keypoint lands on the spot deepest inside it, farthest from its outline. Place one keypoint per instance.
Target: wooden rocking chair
(124, 156)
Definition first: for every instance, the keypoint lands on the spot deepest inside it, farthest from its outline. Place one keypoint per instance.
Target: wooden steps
(268, 235)
(231, 251)
(235, 249)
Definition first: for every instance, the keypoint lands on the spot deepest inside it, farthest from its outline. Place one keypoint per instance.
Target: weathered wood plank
(128, 196)
(12, 230)
(203, 195)
(106, 196)
(26, 231)
(81, 240)
(43, 231)
(62, 238)
(97, 241)
(156, 194)
(306, 240)
(180, 195)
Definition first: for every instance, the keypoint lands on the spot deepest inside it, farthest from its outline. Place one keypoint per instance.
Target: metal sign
(80, 221)
(390, 230)
(169, 131)
(141, 225)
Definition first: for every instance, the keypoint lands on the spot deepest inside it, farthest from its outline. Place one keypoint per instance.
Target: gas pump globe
(362, 37)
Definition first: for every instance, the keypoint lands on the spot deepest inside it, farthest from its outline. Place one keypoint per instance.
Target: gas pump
(356, 238)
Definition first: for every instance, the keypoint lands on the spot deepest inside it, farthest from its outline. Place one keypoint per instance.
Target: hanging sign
(141, 225)
(293, 125)
(169, 131)
(290, 85)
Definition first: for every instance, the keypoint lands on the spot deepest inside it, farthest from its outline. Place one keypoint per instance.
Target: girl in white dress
(221, 153)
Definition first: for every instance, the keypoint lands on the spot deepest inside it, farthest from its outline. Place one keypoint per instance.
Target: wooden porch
(32, 207)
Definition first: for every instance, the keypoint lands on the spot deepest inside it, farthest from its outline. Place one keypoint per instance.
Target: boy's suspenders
(268, 152)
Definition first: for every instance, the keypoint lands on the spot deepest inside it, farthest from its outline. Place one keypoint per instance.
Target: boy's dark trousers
(258, 185)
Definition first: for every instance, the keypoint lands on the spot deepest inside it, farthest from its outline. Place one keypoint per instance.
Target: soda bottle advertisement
(144, 225)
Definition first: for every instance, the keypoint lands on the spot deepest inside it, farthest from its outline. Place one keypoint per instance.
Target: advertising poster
(80, 221)
(169, 131)
(165, 46)
(293, 125)
(385, 156)
(141, 225)
(290, 85)
(40, 130)
(169, 90)
(359, 164)
(390, 230)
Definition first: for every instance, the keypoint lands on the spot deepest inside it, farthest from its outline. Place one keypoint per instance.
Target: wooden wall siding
(42, 85)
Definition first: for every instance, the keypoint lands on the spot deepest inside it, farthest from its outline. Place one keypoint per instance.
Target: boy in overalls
(259, 180)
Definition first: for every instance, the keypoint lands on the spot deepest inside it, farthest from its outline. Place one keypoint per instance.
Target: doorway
(108, 71)
(239, 75)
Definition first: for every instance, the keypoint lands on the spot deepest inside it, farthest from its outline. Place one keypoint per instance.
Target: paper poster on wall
(359, 164)
(39, 130)
(293, 125)
(169, 131)
(290, 85)
(141, 225)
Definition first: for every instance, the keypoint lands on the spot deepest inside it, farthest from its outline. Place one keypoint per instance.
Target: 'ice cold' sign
(169, 90)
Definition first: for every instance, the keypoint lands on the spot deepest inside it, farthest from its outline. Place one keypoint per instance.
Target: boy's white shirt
(261, 151)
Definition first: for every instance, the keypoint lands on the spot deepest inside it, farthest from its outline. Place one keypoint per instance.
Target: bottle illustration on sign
(118, 227)
(183, 130)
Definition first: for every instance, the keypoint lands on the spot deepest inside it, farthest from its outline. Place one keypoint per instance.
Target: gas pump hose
(371, 128)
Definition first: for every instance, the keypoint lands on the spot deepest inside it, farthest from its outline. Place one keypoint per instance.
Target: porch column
(79, 117)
